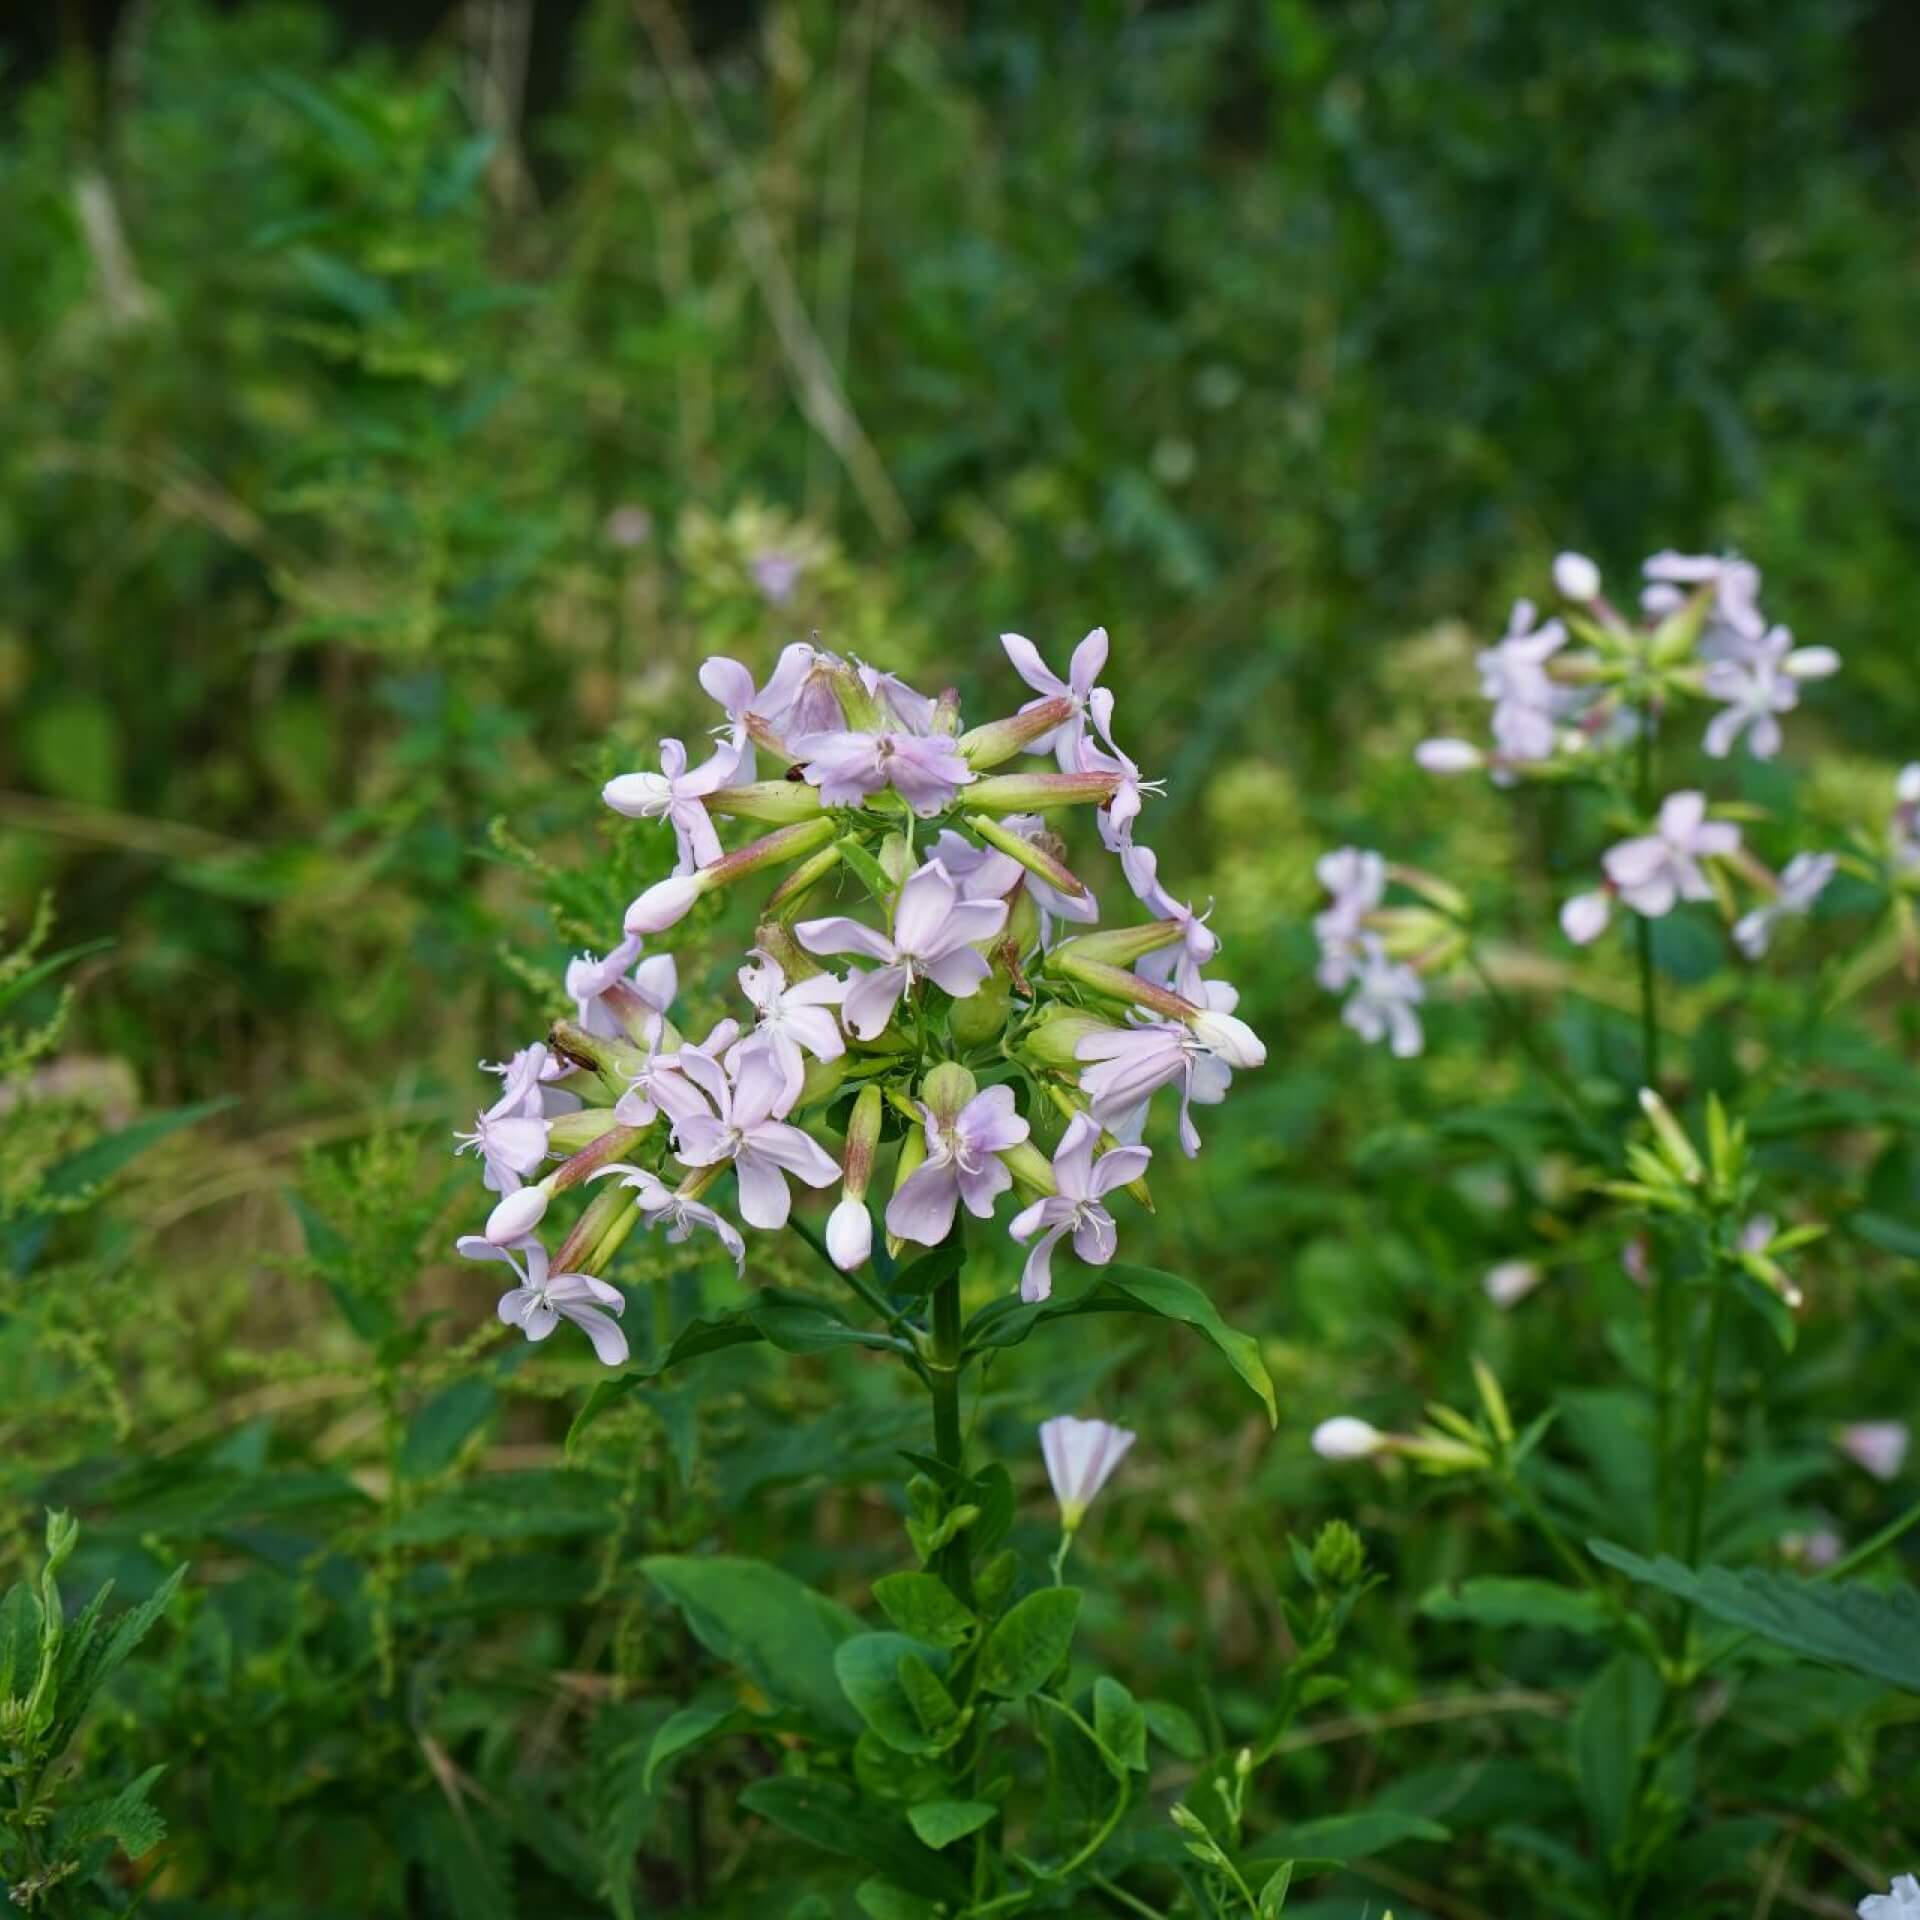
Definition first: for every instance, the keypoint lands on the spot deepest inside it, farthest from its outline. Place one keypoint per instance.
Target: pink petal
(922, 1210)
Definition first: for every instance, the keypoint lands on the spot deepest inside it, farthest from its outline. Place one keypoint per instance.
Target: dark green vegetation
(368, 479)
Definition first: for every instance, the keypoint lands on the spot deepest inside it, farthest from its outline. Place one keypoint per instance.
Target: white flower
(1223, 1033)
(1734, 620)
(1081, 1456)
(1655, 871)
(1575, 577)
(542, 1300)
(1758, 683)
(850, 1234)
(1381, 1004)
(1448, 756)
(511, 1135)
(1082, 1182)
(664, 904)
(1901, 1901)
(1584, 917)
(674, 795)
(792, 1018)
(1513, 675)
(1880, 1446)
(517, 1214)
(1510, 1282)
(1345, 1438)
(1802, 881)
(935, 932)
(1357, 880)
(681, 1213)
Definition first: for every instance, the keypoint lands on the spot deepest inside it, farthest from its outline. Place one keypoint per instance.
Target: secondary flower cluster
(974, 974)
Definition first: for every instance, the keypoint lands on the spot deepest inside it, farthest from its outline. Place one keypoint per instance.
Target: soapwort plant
(937, 1028)
(1617, 726)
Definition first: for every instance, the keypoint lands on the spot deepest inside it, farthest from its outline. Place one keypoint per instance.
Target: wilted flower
(1757, 684)
(934, 935)
(1346, 1438)
(681, 1212)
(1089, 660)
(1383, 998)
(964, 1145)
(1511, 1281)
(542, 1300)
(1081, 1456)
(1880, 1446)
(674, 795)
(1802, 881)
(742, 1128)
(1901, 1901)
(1082, 1182)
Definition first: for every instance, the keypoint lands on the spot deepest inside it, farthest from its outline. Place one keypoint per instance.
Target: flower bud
(1023, 921)
(1448, 756)
(948, 1087)
(1030, 792)
(1345, 1438)
(777, 802)
(1031, 1168)
(787, 899)
(1000, 740)
(821, 1080)
(1584, 918)
(1339, 1559)
(612, 1146)
(850, 1234)
(983, 1013)
(664, 904)
(567, 1133)
(1116, 983)
(1675, 1148)
(1575, 577)
(1507, 1284)
(1122, 946)
(945, 717)
(1053, 1040)
(863, 1137)
(1037, 858)
(517, 1215)
(1230, 1037)
(1812, 663)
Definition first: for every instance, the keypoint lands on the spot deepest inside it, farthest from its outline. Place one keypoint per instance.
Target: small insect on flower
(1081, 1456)
(542, 1299)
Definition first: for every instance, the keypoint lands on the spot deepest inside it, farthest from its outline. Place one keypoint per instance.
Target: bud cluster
(973, 971)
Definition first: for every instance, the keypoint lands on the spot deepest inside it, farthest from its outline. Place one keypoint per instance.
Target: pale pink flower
(601, 990)
(911, 710)
(1655, 871)
(792, 1018)
(1115, 819)
(1089, 660)
(679, 1212)
(1880, 1446)
(963, 1163)
(1585, 916)
(663, 1086)
(1081, 1456)
(1802, 881)
(674, 795)
(1129, 1065)
(1382, 1001)
(1081, 1183)
(1735, 620)
(1448, 756)
(511, 1135)
(741, 1128)
(542, 1300)
(1357, 879)
(1575, 577)
(926, 770)
(1510, 1282)
(1758, 684)
(1901, 1901)
(1180, 966)
(1513, 675)
(934, 935)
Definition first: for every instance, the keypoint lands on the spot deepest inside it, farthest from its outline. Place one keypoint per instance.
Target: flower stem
(949, 1443)
(1703, 1414)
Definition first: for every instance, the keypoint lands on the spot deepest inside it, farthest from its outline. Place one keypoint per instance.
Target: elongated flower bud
(790, 895)
(775, 939)
(1000, 740)
(863, 1139)
(983, 1013)
(1116, 983)
(568, 1133)
(946, 713)
(1675, 1148)
(518, 1214)
(1031, 792)
(669, 901)
(1122, 946)
(615, 1144)
(777, 802)
(822, 1080)
(1230, 1037)
(577, 1250)
(1054, 1039)
(1031, 1169)
(615, 1061)
(1035, 858)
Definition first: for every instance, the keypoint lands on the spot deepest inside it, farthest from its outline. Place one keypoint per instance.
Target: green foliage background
(386, 478)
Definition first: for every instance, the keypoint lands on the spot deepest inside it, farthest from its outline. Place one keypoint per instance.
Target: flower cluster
(968, 1003)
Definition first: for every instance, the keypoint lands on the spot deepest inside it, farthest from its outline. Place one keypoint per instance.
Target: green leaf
(869, 1670)
(621, 1804)
(1346, 1836)
(1610, 1727)
(25, 981)
(1273, 1896)
(126, 1819)
(941, 1822)
(1119, 1726)
(442, 1427)
(697, 1337)
(99, 1653)
(1883, 1230)
(922, 1606)
(801, 1323)
(1493, 1601)
(918, 1279)
(19, 1641)
(882, 1900)
(691, 1727)
(1174, 1727)
(1030, 1642)
(757, 1618)
(932, 1704)
(828, 1814)
(873, 876)
(1845, 1624)
(97, 1163)
(469, 1857)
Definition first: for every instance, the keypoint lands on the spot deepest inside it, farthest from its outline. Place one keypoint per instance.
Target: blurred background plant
(393, 422)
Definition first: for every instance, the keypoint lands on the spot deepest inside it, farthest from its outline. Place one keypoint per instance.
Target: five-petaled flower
(964, 1144)
(542, 1299)
(742, 1126)
(927, 770)
(1089, 661)
(792, 1017)
(1081, 1183)
(681, 1212)
(935, 932)
(675, 795)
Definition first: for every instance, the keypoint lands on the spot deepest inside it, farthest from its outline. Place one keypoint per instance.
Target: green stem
(1659, 1306)
(1649, 1005)
(1114, 1891)
(895, 1317)
(1703, 1415)
(949, 1442)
